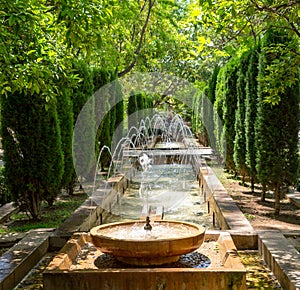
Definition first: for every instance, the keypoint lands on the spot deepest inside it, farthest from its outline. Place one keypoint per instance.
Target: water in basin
(159, 231)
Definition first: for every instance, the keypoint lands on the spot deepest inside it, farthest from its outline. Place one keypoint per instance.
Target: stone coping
(294, 197)
(230, 275)
(8, 240)
(281, 257)
(223, 206)
(22, 257)
(90, 212)
(7, 210)
(78, 218)
(279, 254)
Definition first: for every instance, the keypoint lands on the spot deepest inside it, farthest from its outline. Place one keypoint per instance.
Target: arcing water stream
(156, 158)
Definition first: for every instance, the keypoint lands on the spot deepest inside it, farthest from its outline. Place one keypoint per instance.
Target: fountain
(140, 243)
(133, 243)
(148, 254)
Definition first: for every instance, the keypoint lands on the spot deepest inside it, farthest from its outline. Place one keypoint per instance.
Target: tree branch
(292, 25)
(274, 9)
(138, 49)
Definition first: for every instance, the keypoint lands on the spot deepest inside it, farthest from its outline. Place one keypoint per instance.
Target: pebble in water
(191, 260)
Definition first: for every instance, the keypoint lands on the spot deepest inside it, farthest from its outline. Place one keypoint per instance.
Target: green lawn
(52, 217)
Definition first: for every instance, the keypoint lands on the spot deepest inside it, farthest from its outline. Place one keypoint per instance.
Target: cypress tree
(196, 113)
(52, 168)
(250, 114)
(104, 137)
(85, 87)
(229, 108)
(218, 109)
(212, 85)
(107, 126)
(204, 112)
(210, 114)
(239, 154)
(83, 92)
(140, 106)
(32, 150)
(276, 126)
(65, 114)
(114, 113)
(118, 132)
(148, 102)
(132, 107)
(119, 111)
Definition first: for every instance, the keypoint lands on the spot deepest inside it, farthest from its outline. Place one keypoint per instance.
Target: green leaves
(33, 54)
(281, 71)
(236, 26)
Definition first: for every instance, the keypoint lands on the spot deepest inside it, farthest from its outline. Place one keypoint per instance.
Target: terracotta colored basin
(130, 243)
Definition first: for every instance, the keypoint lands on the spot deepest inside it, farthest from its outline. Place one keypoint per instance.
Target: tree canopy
(50, 51)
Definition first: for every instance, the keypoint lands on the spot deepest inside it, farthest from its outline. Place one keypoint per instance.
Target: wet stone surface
(258, 275)
(91, 258)
(34, 279)
(191, 260)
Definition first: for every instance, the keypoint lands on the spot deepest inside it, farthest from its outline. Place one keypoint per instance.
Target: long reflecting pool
(168, 188)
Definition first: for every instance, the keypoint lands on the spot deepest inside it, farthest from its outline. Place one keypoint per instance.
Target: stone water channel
(184, 203)
(173, 190)
(191, 206)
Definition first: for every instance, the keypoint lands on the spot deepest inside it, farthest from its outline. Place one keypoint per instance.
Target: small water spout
(147, 226)
(145, 161)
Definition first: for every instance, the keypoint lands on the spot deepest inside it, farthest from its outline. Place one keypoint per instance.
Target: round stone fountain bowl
(131, 244)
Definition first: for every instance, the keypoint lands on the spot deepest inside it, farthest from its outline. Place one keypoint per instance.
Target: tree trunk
(277, 199)
(70, 187)
(243, 179)
(263, 193)
(252, 185)
(34, 205)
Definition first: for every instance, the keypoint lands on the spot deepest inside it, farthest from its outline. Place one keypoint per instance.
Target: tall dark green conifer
(204, 115)
(132, 107)
(218, 112)
(80, 96)
(277, 125)
(210, 114)
(119, 111)
(229, 108)
(239, 154)
(250, 114)
(140, 102)
(32, 150)
(105, 106)
(118, 132)
(65, 115)
(52, 154)
(196, 113)
(212, 85)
